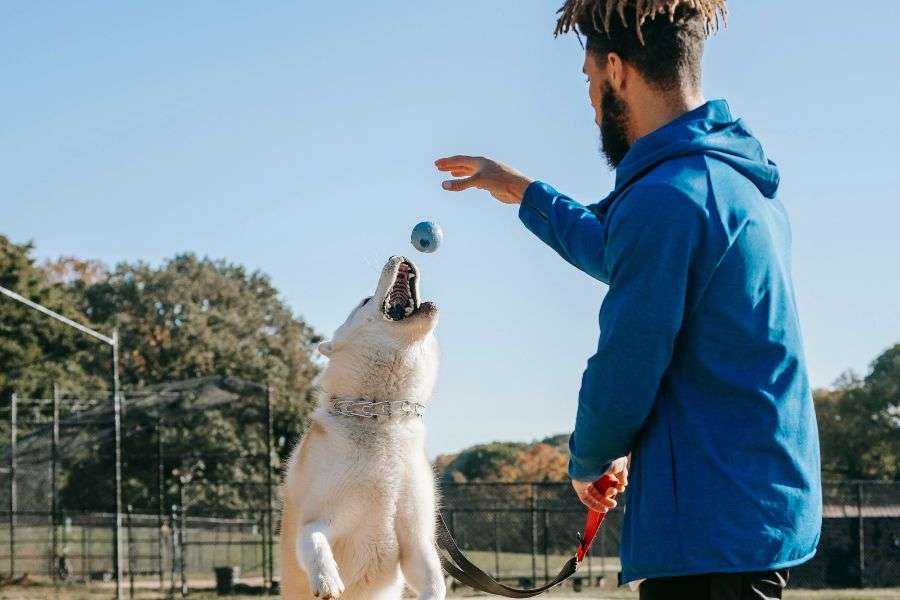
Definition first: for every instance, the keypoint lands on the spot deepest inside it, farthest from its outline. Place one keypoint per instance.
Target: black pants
(761, 585)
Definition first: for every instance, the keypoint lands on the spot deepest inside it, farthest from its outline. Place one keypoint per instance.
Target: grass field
(511, 565)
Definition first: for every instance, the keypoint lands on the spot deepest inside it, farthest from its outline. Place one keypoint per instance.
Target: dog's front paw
(326, 582)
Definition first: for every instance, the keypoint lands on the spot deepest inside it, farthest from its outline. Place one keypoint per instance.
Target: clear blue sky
(298, 137)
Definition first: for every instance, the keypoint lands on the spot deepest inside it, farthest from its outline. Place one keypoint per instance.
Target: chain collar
(373, 409)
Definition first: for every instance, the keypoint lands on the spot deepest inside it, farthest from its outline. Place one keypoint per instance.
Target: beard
(614, 142)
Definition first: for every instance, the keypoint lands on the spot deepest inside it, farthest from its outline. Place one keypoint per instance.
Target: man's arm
(565, 225)
(562, 223)
(652, 238)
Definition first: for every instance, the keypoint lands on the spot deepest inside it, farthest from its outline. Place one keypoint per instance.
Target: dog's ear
(326, 348)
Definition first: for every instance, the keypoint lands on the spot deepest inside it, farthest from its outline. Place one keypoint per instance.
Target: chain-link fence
(522, 533)
(199, 474)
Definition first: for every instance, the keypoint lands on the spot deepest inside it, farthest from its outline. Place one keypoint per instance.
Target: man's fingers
(450, 162)
(458, 185)
(595, 504)
(606, 499)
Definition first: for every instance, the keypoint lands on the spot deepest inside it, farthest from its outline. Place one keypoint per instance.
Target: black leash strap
(465, 572)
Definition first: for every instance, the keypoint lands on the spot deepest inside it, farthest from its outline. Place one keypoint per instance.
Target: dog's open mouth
(402, 298)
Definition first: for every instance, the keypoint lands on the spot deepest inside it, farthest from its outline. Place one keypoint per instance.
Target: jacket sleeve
(652, 239)
(565, 225)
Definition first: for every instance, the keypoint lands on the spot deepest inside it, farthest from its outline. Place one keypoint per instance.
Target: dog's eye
(365, 301)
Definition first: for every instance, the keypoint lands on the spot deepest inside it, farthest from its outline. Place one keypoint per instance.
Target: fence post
(173, 538)
(160, 500)
(130, 532)
(496, 545)
(533, 534)
(54, 506)
(13, 424)
(546, 545)
(860, 524)
(117, 452)
(182, 540)
(270, 530)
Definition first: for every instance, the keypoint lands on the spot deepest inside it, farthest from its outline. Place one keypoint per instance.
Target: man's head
(639, 55)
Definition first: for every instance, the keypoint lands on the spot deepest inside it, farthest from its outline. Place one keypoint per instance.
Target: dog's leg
(315, 557)
(422, 569)
(419, 558)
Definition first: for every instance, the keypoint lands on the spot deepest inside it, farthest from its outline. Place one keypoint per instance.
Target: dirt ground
(81, 593)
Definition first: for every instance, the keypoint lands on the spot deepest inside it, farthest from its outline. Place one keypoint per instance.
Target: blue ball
(426, 236)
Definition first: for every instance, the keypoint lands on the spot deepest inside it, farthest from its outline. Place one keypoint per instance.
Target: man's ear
(326, 348)
(615, 71)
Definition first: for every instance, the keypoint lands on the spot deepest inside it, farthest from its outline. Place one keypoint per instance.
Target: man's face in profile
(610, 110)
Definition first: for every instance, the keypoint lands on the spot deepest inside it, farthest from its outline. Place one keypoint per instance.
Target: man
(700, 372)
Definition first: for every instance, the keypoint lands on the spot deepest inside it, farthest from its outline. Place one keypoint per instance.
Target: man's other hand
(596, 501)
(502, 182)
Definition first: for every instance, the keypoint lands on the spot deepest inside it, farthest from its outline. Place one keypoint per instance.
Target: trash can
(226, 578)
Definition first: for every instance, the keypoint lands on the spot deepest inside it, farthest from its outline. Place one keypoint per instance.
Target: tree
(69, 269)
(35, 350)
(506, 461)
(193, 318)
(859, 422)
(542, 462)
(483, 462)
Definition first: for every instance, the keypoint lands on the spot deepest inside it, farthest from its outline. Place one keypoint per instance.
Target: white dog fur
(359, 495)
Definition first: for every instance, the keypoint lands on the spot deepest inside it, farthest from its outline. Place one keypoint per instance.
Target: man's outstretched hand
(593, 499)
(503, 182)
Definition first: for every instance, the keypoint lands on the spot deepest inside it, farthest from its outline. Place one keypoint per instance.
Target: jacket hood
(709, 130)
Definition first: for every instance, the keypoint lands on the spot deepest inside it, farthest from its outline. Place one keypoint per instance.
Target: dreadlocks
(663, 39)
(708, 11)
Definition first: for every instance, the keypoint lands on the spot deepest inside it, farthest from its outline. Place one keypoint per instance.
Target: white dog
(359, 496)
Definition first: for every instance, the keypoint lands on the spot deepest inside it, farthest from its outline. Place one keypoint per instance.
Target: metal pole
(269, 524)
(86, 531)
(114, 342)
(85, 575)
(117, 425)
(534, 534)
(861, 528)
(181, 540)
(130, 553)
(496, 546)
(13, 432)
(57, 316)
(160, 500)
(173, 537)
(54, 506)
(546, 546)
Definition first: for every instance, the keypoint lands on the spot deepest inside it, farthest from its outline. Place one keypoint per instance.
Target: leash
(466, 572)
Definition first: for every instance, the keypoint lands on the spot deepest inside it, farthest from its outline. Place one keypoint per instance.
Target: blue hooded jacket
(700, 372)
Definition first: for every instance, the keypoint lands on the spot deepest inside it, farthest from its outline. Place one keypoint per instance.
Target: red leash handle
(594, 519)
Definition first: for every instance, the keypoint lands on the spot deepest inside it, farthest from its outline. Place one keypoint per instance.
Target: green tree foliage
(859, 423)
(185, 319)
(483, 462)
(36, 351)
(195, 317)
(192, 318)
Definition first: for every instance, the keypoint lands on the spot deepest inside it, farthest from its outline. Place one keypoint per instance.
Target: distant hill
(544, 460)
